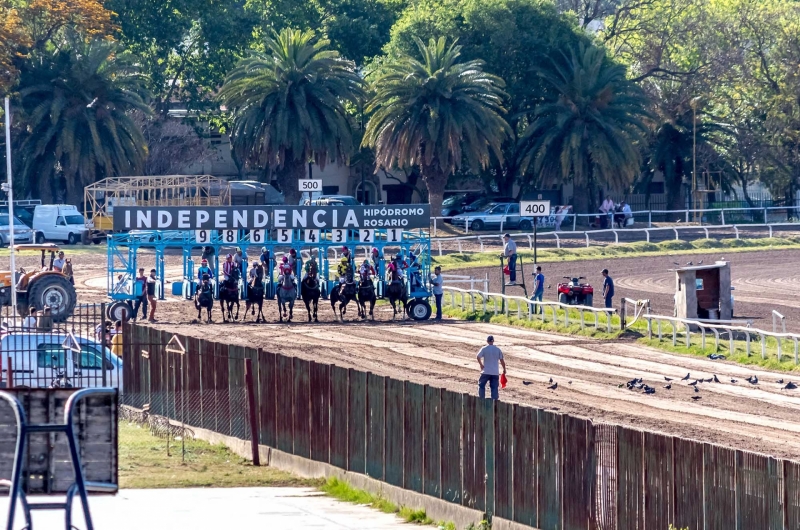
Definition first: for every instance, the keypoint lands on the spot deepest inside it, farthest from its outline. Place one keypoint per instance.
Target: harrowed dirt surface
(761, 418)
(762, 281)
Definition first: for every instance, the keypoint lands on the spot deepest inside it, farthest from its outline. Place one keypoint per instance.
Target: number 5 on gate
(285, 235)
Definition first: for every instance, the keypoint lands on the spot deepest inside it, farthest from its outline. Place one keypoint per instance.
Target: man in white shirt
(30, 321)
(58, 263)
(510, 253)
(489, 359)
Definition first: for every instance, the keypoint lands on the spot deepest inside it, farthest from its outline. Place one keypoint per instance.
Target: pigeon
(753, 380)
(553, 386)
(697, 397)
(527, 383)
(551, 380)
(734, 381)
(569, 382)
(690, 263)
(668, 386)
(693, 383)
(649, 390)
(667, 378)
(620, 385)
(676, 263)
(715, 356)
(696, 389)
(716, 380)
(790, 386)
(700, 262)
(686, 378)
(709, 380)
(779, 381)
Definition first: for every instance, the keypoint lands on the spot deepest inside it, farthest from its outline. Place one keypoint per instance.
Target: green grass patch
(624, 250)
(144, 463)
(341, 490)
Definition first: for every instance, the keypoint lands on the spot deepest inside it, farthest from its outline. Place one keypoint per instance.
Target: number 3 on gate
(284, 235)
(338, 235)
(366, 235)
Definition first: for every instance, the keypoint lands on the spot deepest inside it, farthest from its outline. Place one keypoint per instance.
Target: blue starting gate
(326, 245)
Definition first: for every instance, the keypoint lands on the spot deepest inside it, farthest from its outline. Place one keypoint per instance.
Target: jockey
(413, 271)
(264, 258)
(346, 254)
(228, 266)
(253, 274)
(344, 269)
(204, 269)
(205, 286)
(293, 258)
(285, 267)
(238, 260)
(366, 271)
(310, 266)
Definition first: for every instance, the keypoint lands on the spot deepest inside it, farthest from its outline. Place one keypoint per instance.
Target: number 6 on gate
(257, 236)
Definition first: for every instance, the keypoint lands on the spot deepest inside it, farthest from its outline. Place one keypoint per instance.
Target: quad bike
(39, 288)
(574, 292)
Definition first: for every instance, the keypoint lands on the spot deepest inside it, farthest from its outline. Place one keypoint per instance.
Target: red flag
(503, 381)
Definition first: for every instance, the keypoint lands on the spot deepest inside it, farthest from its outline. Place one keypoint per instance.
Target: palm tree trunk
(436, 181)
(287, 177)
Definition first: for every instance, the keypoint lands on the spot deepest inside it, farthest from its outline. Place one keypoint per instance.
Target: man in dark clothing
(140, 292)
(151, 294)
(608, 288)
(538, 288)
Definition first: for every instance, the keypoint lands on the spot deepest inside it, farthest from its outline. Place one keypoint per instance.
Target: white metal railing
(586, 234)
(776, 317)
(500, 304)
(680, 216)
(458, 278)
(719, 329)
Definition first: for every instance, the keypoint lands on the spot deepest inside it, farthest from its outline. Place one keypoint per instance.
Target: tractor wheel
(54, 291)
(420, 310)
(588, 300)
(562, 298)
(119, 311)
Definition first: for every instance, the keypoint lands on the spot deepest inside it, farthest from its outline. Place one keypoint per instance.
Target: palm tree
(76, 105)
(436, 113)
(589, 131)
(288, 106)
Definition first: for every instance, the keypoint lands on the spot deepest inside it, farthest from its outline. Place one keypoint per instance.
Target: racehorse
(255, 295)
(343, 293)
(396, 291)
(310, 293)
(229, 295)
(204, 297)
(366, 293)
(287, 294)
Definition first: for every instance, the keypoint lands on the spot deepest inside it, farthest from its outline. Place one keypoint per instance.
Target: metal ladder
(520, 270)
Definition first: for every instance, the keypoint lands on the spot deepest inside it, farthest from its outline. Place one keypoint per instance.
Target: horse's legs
(237, 309)
(222, 308)
(316, 304)
(308, 308)
(291, 309)
(372, 309)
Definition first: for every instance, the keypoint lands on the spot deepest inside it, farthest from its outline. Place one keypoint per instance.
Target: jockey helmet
(292, 252)
(345, 249)
(238, 249)
(229, 256)
(344, 260)
(255, 264)
(366, 262)
(204, 261)
(285, 259)
(263, 249)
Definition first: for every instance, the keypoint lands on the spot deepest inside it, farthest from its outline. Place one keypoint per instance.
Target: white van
(39, 358)
(60, 222)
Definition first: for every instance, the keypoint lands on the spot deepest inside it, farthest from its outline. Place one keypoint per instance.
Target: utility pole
(693, 103)
(10, 194)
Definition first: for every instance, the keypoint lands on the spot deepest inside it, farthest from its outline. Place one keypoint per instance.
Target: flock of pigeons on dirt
(638, 383)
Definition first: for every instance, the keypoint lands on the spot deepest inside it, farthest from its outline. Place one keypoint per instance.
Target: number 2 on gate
(285, 235)
(366, 235)
(338, 235)
(312, 236)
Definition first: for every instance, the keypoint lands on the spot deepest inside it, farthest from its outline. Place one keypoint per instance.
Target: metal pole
(251, 409)
(10, 193)
(535, 241)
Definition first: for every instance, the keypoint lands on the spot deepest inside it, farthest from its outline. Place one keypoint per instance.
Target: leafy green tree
(436, 113)
(513, 38)
(590, 131)
(76, 103)
(288, 106)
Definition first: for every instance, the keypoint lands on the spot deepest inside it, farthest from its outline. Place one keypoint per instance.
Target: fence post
(687, 216)
(723, 217)
(650, 219)
(765, 216)
(251, 409)
(622, 316)
(434, 227)
(9, 374)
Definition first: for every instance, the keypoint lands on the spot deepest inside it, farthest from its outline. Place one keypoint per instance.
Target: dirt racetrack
(763, 281)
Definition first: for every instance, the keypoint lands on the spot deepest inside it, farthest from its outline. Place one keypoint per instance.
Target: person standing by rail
(608, 289)
(510, 253)
(151, 294)
(437, 281)
(489, 359)
(538, 288)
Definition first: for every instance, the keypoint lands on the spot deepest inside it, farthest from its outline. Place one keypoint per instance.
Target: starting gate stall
(278, 237)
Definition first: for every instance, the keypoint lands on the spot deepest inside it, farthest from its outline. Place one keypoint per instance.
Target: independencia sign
(406, 216)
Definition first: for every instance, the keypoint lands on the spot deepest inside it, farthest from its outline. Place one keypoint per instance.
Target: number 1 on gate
(312, 236)
(394, 235)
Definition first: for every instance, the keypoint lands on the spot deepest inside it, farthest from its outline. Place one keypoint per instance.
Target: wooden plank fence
(535, 467)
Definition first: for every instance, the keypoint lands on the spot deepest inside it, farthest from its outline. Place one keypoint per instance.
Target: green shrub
(732, 242)
(707, 243)
(675, 245)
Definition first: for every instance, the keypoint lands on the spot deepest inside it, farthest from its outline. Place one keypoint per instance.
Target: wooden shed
(703, 291)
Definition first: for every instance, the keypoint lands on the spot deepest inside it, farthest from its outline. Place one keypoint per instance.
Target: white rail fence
(678, 215)
(500, 303)
(471, 280)
(587, 234)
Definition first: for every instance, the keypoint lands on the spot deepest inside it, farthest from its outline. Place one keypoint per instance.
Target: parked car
(494, 216)
(22, 234)
(333, 200)
(455, 204)
(60, 222)
(40, 358)
(23, 210)
(482, 202)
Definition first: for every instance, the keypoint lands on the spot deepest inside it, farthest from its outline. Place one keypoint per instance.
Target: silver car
(22, 234)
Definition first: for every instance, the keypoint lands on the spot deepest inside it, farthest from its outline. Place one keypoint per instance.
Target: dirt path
(760, 418)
